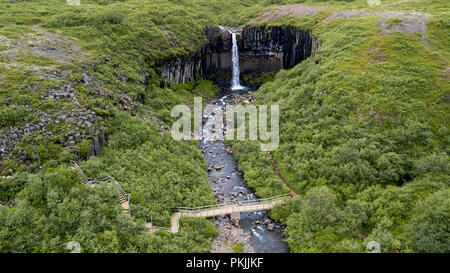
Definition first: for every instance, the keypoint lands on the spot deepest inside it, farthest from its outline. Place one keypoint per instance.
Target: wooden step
(122, 198)
(82, 178)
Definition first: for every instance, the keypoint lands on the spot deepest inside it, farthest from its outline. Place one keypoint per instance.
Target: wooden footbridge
(232, 208)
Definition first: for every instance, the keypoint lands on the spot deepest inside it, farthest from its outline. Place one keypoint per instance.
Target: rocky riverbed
(255, 230)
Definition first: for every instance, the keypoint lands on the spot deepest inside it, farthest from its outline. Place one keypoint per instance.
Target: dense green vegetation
(12, 115)
(158, 172)
(257, 169)
(52, 207)
(122, 40)
(255, 80)
(364, 127)
(364, 136)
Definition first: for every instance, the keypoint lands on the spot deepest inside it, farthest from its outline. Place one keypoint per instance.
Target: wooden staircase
(124, 201)
(83, 177)
(124, 198)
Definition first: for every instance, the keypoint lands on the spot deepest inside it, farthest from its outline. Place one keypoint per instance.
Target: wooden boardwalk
(226, 208)
(233, 208)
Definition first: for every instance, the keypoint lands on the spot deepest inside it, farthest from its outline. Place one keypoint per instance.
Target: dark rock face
(275, 49)
(260, 50)
(181, 69)
(99, 140)
(217, 51)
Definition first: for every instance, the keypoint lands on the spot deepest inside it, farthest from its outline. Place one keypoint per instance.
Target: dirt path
(278, 174)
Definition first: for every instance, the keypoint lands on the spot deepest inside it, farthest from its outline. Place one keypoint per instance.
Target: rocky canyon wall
(260, 50)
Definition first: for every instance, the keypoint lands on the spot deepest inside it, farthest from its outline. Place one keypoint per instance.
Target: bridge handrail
(87, 179)
(121, 190)
(108, 177)
(163, 228)
(242, 203)
(80, 171)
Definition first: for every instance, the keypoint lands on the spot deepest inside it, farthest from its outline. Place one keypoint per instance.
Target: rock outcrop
(278, 48)
(260, 50)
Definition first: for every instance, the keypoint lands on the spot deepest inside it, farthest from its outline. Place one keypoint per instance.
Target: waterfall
(235, 84)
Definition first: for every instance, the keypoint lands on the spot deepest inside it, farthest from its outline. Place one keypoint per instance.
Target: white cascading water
(235, 84)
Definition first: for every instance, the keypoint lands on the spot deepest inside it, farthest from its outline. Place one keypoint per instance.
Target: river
(229, 186)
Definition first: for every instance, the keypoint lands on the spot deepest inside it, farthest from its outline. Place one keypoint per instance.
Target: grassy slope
(331, 137)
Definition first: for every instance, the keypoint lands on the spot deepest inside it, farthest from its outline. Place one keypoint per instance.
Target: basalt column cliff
(260, 50)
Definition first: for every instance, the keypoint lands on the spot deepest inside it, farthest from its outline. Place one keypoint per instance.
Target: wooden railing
(108, 177)
(241, 203)
(201, 211)
(80, 171)
(121, 190)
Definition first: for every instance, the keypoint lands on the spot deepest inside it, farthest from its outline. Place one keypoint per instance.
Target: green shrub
(14, 115)
(238, 247)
